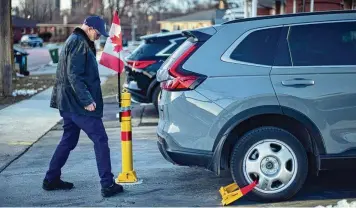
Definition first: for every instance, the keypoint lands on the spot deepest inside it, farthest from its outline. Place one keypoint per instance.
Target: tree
(40, 10)
(6, 52)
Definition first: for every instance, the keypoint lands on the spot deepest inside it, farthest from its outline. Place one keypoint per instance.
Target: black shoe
(56, 185)
(112, 190)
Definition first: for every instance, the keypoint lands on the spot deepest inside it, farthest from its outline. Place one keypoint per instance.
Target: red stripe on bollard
(126, 136)
(126, 113)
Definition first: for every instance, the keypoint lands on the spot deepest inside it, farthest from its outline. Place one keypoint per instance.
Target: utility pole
(6, 54)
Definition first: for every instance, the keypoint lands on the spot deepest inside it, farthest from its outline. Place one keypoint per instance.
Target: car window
(148, 49)
(177, 42)
(283, 57)
(323, 44)
(258, 47)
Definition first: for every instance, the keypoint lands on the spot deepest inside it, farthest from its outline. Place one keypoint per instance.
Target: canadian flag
(112, 53)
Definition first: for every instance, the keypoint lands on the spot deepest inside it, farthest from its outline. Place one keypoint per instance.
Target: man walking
(77, 95)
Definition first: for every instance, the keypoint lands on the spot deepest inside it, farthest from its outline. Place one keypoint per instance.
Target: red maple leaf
(117, 42)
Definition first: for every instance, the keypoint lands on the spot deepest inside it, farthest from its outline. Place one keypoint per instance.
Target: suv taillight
(182, 80)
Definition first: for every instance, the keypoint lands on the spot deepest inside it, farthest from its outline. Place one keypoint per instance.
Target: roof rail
(291, 15)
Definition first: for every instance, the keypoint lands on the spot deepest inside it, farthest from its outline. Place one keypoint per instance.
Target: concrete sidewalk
(23, 123)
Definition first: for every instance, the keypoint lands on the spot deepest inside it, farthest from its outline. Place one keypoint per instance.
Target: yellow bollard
(128, 175)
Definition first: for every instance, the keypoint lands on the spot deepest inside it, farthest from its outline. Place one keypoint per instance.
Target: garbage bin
(20, 57)
(54, 55)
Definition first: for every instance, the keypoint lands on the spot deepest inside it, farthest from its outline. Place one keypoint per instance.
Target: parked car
(31, 40)
(269, 98)
(144, 62)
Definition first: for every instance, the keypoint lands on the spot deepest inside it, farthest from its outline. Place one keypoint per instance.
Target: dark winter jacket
(77, 79)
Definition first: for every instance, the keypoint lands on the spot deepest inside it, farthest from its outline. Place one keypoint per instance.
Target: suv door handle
(298, 82)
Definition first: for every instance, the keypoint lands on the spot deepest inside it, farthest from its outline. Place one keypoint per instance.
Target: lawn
(109, 88)
(26, 87)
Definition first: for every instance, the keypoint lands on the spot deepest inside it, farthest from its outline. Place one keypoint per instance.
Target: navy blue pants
(95, 130)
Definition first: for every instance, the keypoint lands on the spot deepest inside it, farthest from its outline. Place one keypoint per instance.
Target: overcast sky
(65, 4)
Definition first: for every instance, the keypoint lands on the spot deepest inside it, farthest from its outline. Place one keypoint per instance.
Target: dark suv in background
(145, 61)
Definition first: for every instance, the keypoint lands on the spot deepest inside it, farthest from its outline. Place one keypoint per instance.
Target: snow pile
(341, 204)
(20, 75)
(52, 64)
(24, 92)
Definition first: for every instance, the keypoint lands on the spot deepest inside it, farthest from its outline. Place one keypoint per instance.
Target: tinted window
(148, 49)
(283, 55)
(177, 44)
(258, 47)
(323, 44)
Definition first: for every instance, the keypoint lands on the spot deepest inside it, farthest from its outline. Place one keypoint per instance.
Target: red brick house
(22, 26)
(269, 7)
(61, 29)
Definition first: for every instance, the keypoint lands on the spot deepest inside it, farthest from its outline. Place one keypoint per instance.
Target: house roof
(22, 22)
(206, 15)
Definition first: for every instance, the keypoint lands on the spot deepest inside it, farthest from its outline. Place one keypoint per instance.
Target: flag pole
(119, 85)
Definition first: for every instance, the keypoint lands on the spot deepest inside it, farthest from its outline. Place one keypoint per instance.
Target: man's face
(93, 34)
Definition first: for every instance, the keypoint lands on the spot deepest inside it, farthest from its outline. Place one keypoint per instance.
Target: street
(162, 184)
(38, 57)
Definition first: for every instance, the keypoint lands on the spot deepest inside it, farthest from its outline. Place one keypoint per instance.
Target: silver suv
(269, 98)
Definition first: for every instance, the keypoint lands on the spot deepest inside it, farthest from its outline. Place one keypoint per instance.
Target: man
(77, 94)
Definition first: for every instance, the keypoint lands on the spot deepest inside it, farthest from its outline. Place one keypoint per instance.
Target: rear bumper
(180, 156)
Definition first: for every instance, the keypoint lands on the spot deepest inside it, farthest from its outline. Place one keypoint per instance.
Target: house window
(176, 27)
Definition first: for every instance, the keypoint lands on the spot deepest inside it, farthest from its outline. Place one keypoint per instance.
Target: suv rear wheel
(273, 157)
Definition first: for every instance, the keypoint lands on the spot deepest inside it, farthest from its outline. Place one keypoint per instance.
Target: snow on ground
(24, 92)
(341, 204)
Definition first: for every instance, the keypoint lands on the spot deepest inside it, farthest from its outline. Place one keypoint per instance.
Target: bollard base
(127, 177)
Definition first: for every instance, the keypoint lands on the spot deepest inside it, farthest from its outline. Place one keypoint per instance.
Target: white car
(31, 40)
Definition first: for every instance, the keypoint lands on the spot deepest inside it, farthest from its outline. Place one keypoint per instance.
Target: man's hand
(91, 107)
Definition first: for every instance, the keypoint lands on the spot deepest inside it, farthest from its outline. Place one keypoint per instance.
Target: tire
(155, 96)
(261, 140)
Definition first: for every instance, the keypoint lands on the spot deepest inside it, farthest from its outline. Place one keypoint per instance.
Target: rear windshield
(147, 50)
